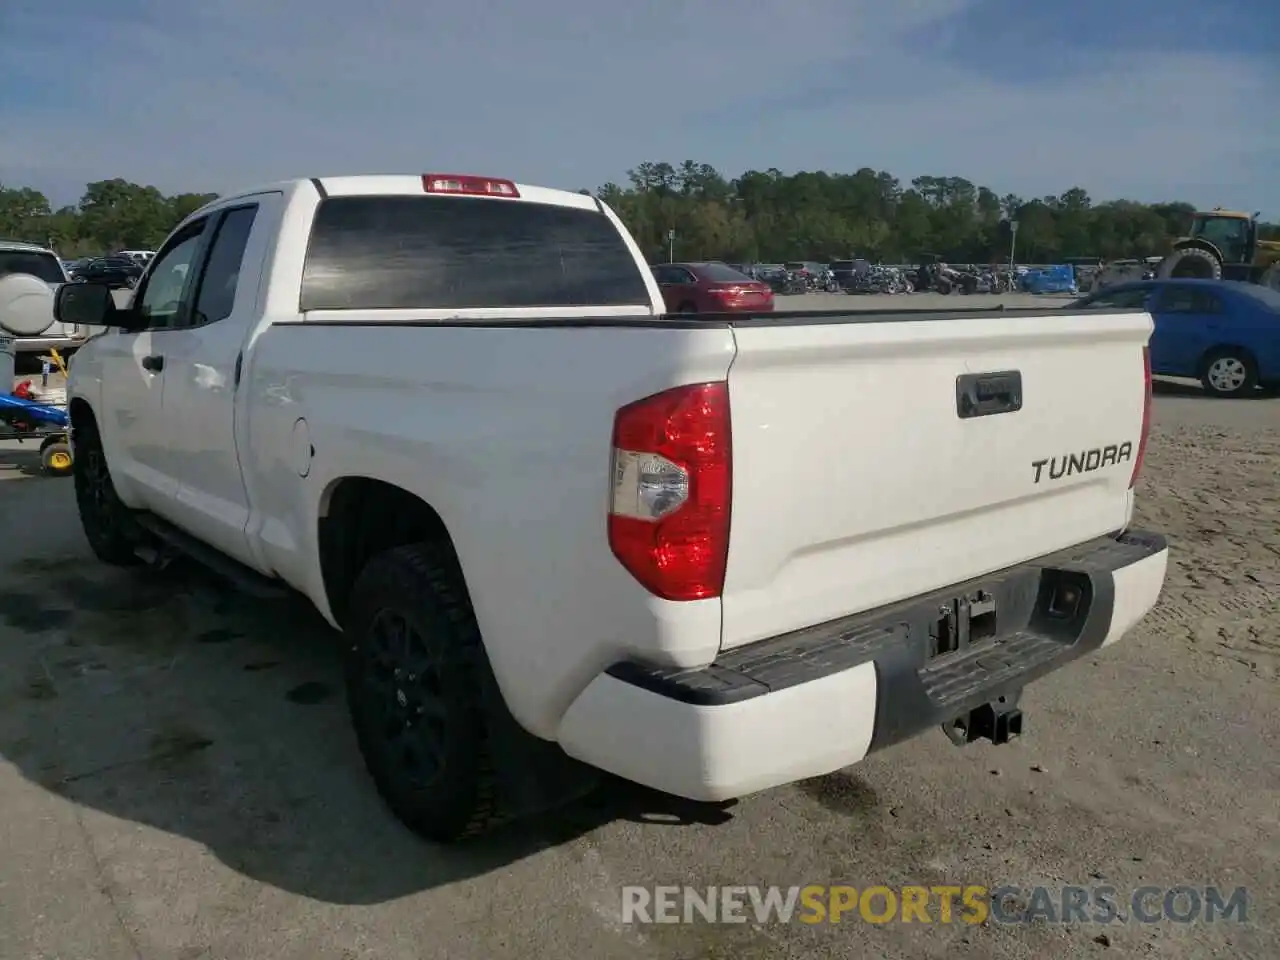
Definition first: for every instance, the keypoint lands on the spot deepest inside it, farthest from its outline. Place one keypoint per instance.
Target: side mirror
(91, 305)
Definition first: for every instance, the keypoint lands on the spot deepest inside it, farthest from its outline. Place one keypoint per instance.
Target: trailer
(24, 416)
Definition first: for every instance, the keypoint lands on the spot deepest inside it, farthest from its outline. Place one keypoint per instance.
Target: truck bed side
(505, 432)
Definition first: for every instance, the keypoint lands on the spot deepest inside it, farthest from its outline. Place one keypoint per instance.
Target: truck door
(1188, 320)
(133, 374)
(203, 364)
(679, 288)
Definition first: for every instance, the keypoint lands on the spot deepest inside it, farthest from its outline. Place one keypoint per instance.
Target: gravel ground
(179, 781)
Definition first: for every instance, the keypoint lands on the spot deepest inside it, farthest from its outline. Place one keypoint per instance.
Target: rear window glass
(43, 265)
(722, 273)
(425, 253)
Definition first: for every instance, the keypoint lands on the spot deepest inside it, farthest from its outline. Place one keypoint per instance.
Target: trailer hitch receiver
(999, 722)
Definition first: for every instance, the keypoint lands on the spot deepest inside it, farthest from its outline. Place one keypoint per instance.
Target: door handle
(985, 394)
(154, 363)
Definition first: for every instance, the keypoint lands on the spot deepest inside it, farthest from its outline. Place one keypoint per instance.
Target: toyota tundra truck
(563, 533)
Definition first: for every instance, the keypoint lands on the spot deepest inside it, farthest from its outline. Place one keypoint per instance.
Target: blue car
(1223, 333)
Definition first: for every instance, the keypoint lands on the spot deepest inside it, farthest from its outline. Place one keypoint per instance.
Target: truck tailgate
(857, 482)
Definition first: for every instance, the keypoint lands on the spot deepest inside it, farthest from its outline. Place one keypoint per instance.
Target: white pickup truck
(563, 533)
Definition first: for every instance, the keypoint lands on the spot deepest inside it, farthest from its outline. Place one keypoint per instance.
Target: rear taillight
(1146, 417)
(468, 185)
(735, 293)
(670, 503)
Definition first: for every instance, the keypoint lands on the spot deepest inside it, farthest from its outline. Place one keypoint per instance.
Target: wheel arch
(360, 517)
(81, 415)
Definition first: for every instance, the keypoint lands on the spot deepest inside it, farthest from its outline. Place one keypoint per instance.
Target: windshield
(1227, 233)
(722, 273)
(42, 265)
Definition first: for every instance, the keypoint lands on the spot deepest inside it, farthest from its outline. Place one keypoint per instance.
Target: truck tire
(414, 669)
(103, 517)
(1228, 372)
(1192, 263)
(1271, 277)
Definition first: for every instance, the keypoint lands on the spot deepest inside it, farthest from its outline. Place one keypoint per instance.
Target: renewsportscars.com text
(968, 904)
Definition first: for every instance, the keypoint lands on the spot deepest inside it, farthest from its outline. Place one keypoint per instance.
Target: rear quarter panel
(1263, 342)
(1180, 341)
(506, 433)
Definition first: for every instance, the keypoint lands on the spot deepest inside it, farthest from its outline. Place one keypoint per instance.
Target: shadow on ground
(24, 461)
(1190, 388)
(165, 699)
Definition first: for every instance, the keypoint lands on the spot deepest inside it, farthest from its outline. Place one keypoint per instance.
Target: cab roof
(404, 185)
(24, 246)
(1225, 214)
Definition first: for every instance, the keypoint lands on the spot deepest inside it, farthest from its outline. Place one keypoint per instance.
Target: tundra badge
(1086, 461)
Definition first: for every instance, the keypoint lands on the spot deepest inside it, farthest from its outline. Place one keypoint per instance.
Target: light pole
(671, 246)
(1013, 240)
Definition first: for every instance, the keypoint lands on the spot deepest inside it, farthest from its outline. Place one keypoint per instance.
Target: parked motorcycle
(880, 279)
(795, 283)
(940, 278)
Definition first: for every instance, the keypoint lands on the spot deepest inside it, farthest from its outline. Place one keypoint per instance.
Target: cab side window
(164, 300)
(216, 295)
(1189, 300)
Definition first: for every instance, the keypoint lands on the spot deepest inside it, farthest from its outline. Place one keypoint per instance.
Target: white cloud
(573, 92)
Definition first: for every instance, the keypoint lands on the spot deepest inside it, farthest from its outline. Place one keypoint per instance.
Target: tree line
(771, 217)
(111, 215)
(693, 212)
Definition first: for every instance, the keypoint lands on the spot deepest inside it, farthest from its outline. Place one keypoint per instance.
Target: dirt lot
(178, 779)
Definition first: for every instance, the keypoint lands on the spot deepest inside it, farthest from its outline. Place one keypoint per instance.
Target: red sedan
(710, 288)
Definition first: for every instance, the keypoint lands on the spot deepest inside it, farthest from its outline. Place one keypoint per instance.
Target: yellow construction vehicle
(1224, 245)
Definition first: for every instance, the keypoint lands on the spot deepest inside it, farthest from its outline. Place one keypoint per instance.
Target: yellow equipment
(1224, 245)
(56, 357)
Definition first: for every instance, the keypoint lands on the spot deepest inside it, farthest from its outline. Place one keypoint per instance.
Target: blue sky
(1147, 99)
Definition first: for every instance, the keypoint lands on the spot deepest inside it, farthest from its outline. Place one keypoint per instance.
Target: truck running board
(245, 580)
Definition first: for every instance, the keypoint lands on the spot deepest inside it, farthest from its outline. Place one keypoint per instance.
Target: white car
(27, 272)
(140, 256)
(563, 532)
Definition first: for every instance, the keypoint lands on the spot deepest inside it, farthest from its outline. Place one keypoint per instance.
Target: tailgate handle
(986, 394)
